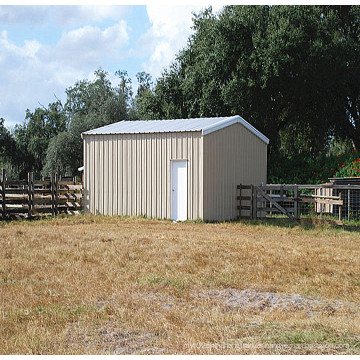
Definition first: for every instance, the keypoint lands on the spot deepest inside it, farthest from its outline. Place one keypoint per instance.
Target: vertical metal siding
(86, 180)
(232, 155)
(130, 174)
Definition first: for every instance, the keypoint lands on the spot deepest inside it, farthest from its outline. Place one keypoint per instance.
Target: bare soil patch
(109, 339)
(250, 299)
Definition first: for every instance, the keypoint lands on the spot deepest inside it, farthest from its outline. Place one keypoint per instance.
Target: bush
(349, 166)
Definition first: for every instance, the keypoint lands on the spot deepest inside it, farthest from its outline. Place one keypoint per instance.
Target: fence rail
(293, 201)
(33, 197)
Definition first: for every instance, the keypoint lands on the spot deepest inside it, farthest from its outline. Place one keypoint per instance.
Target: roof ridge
(205, 125)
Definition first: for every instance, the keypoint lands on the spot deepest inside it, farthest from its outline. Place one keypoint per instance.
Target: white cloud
(170, 30)
(34, 72)
(171, 27)
(78, 15)
(29, 49)
(65, 15)
(26, 79)
(10, 14)
(87, 46)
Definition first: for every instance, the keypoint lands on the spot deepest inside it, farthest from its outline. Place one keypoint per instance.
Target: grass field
(99, 285)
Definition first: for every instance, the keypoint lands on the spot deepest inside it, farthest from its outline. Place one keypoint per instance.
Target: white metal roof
(205, 125)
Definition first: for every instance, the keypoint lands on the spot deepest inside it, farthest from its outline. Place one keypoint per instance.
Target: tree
(7, 150)
(60, 157)
(33, 136)
(345, 26)
(145, 100)
(7, 142)
(291, 71)
(89, 104)
(50, 141)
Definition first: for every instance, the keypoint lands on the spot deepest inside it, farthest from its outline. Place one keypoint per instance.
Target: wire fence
(338, 202)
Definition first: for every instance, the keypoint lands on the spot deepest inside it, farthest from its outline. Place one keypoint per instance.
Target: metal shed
(179, 169)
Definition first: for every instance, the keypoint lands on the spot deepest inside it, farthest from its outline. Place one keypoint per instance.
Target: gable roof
(205, 125)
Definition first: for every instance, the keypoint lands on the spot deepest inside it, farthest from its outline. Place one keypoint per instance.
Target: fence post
(251, 201)
(255, 203)
(52, 194)
(240, 193)
(29, 194)
(296, 203)
(32, 193)
(56, 193)
(3, 195)
(348, 204)
(321, 205)
(340, 207)
(263, 205)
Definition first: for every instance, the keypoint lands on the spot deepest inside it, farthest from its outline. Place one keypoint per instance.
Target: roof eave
(142, 133)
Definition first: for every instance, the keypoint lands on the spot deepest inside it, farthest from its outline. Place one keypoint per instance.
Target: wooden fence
(292, 201)
(34, 197)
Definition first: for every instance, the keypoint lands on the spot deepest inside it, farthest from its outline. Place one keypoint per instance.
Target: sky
(45, 49)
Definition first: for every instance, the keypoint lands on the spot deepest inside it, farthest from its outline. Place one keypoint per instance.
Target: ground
(112, 285)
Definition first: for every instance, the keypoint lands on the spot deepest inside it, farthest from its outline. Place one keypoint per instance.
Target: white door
(179, 190)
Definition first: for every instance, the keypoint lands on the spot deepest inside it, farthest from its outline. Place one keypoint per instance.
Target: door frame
(171, 186)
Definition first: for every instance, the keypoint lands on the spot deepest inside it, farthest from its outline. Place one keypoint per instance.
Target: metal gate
(285, 200)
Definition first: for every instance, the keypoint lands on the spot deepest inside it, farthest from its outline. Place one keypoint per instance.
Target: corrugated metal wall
(130, 174)
(232, 156)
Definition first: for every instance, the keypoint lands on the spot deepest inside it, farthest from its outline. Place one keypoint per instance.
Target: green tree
(146, 103)
(7, 151)
(89, 104)
(7, 142)
(291, 71)
(33, 136)
(345, 27)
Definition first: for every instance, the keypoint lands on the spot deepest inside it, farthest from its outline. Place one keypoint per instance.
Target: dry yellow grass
(93, 285)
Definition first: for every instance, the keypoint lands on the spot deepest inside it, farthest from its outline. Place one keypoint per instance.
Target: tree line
(291, 71)
(49, 140)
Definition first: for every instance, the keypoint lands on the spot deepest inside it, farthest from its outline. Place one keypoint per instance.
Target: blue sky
(45, 49)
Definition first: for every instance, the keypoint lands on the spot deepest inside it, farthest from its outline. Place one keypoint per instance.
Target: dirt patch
(258, 300)
(110, 339)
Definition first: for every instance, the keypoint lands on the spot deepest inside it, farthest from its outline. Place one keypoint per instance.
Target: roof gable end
(234, 120)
